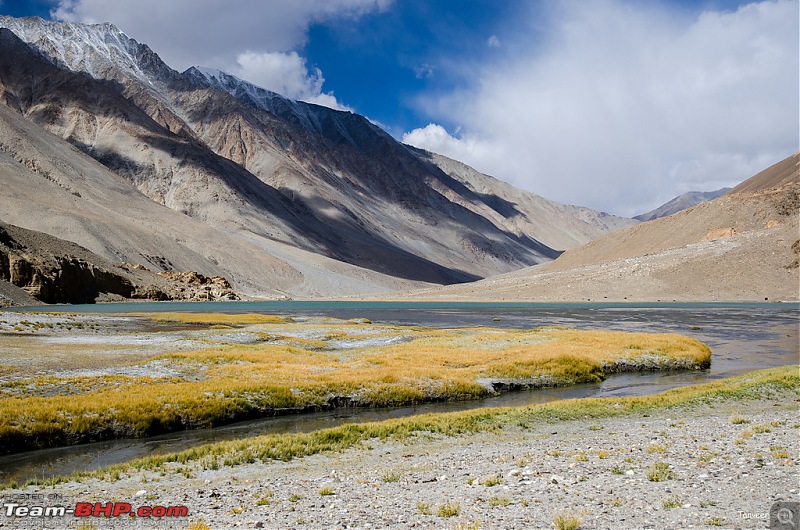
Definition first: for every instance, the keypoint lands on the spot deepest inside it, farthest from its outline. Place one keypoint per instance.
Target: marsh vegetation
(236, 367)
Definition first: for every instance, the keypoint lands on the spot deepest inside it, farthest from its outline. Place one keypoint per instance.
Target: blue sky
(614, 104)
(379, 65)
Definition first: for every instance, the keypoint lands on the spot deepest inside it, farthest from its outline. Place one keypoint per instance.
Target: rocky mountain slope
(557, 225)
(324, 197)
(41, 175)
(681, 202)
(742, 246)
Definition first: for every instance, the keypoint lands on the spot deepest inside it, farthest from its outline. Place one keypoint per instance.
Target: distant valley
(103, 145)
(743, 246)
(681, 202)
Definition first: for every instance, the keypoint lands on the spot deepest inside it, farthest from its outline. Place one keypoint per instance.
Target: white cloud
(629, 104)
(469, 150)
(493, 42)
(239, 37)
(286, 74)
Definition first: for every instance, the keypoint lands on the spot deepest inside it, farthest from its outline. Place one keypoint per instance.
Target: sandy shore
(729, 461)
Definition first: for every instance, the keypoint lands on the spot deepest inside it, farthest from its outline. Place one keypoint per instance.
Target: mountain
(741, 246)
(291, 198)
(784, 173)
(681, 202)
(557, 225)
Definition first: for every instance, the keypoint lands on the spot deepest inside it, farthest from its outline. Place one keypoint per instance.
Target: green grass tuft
(672, 502)
(659, 472)
(567, 522)
(449, 509)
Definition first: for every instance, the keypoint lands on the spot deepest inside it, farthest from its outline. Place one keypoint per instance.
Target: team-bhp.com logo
(94, 509)
(118, 509)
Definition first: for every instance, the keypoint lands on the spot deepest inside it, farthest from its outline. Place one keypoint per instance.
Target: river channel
(743, 337)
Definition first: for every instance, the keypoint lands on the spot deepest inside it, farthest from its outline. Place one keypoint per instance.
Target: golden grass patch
(236, 319)
(320, 364)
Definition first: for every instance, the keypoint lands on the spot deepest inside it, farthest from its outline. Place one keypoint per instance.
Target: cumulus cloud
(470, 150)
(493, 42)
(286, 74)
(625, 105)
(240, 37)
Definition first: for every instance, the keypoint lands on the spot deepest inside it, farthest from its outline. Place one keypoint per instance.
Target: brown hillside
(52, 270)
(741, 246)
(784, 172)
(727, 215)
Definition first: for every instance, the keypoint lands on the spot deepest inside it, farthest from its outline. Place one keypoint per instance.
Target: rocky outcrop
(64, 279)
(54, 276)
(196, 287)
(796, 250)
(56, 271)
(720, 233)
(11, 296)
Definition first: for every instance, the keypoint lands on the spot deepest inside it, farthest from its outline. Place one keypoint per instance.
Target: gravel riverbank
(727, 464)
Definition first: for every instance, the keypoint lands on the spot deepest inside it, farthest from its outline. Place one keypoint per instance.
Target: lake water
(743, 337)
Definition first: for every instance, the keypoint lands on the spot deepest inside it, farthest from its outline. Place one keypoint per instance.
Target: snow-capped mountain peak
(212, 75)
(100, 50)
(293, 178)
(103, 51)
(252, 94)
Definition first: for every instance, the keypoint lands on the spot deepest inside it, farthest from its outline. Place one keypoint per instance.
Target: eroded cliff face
(193, 286)
(61, 279)
(56, 271)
